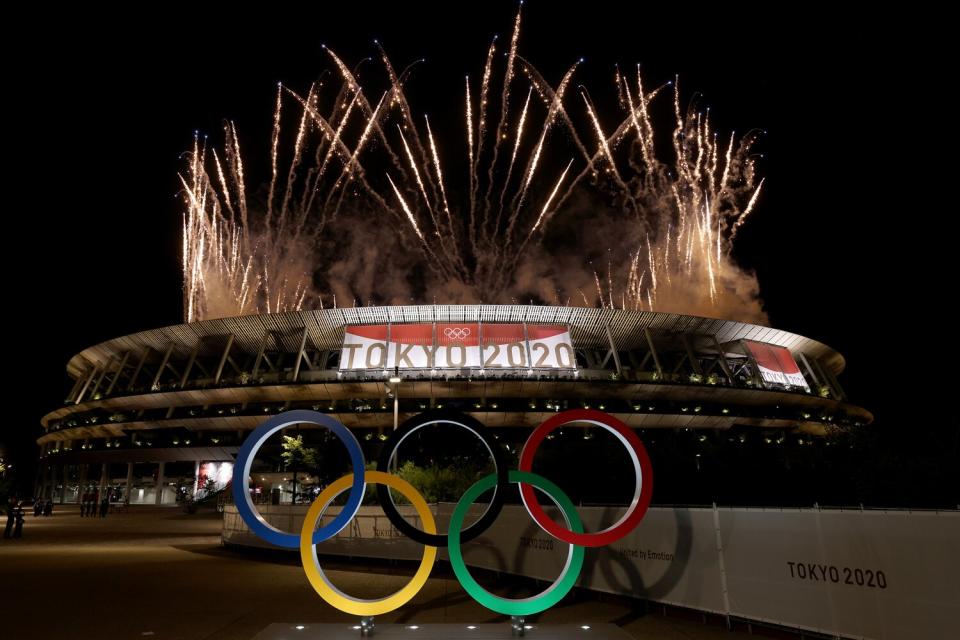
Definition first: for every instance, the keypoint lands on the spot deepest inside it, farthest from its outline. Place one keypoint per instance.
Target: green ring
(523, 606)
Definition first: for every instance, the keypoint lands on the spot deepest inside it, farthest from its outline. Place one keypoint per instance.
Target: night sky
(98, 133)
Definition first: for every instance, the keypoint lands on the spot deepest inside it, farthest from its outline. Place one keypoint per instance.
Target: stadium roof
(588, 328)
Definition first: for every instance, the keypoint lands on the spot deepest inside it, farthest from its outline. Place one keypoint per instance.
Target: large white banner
(776, 364)
(446, 345)
(858, 574)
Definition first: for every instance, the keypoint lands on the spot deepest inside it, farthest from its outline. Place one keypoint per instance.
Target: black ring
(461, 420)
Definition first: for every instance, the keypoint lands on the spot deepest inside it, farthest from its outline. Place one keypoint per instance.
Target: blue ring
(241, 472)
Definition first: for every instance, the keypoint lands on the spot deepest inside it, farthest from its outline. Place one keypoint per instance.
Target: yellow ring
(311, 564)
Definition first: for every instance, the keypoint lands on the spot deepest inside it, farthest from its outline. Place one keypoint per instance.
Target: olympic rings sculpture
(355, 484)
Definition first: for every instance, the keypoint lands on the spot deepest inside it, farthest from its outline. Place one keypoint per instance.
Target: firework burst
(367, 155)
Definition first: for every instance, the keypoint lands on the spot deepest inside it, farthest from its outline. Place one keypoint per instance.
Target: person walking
(37, 507)
(104, 506)
(18, 528)
(11, 517)
(48, 508)
(83, 505)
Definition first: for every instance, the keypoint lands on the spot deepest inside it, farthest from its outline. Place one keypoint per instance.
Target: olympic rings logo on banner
(457, 333)
(355, 484)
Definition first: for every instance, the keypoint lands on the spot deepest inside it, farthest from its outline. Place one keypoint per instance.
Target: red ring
(644, 478)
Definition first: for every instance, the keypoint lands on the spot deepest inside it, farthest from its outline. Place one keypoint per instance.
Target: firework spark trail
(495, 239)
(555, 101)
(666, 252)
(400, 98)
(191, 263)
(704, 235)
(618, 82)
(635, 120)
(746, 212)
(681, 136)
(397, 96)
(353, 166)
(651, 169)
(448, 253)
(502, 123)
(309, 176)
(602, 141)
(516, 147)
(698, 176)
(294, 165)
(439, 171)
(652, 264)
(546, 205)
(681, 219)
(531, 171)
(445, 233)
(416, 175)
(227, 200)
(205, 233)
(406, 210)
(337, 147)
(727, 160)
(273, 154)
(555, 107)
(235, 160)
(610, 293)
(327, 156)
(228, 263)
(481, 136)
(351, 80)
(472, 174)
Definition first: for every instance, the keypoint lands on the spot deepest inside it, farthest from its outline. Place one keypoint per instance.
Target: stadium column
(74, 390)
(81, 481)
(127, 490)
(159, 488)
(613, 350)
(86, 384)
(196, 478)
(653, 350)
(104, 475)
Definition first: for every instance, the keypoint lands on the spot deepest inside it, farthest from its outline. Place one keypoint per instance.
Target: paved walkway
(161, 574)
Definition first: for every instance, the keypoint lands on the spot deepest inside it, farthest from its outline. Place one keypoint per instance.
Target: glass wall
(179, 482)
(72, 490)
(143, 489)
(116, 482)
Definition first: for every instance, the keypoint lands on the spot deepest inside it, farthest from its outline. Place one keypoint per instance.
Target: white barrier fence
(857, 574)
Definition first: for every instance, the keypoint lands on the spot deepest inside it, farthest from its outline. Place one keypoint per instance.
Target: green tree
(296, 456)
(436, 483)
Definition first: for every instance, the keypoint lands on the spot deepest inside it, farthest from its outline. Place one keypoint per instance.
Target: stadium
(153, 416)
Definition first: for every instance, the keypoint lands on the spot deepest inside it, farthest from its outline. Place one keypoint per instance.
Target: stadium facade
(152, 416)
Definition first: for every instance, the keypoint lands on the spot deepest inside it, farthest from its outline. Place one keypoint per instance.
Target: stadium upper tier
(509, 365)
